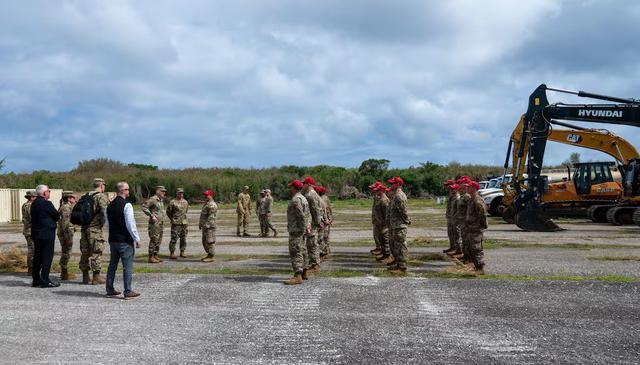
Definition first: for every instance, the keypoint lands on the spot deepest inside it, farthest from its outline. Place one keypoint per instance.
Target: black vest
(118, 231)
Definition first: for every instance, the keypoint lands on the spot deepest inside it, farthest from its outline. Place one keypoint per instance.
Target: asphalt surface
(258, 320)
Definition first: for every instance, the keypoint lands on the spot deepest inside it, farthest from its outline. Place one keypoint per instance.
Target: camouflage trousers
(155, 238)
(91, 247)
(398, 243)
(30, 249)
(381, 236)
(453, 231)
(297, 252)
(209, 240)
(313, 250)
(243, 223)
(265, 224)
(474, 240)
(66, 244)
(323, 240)
(178, 231)
(464, 244)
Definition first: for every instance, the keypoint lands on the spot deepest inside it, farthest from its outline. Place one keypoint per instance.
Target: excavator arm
(536, 129)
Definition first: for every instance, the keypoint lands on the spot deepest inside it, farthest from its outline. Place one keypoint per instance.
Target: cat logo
(574, 138)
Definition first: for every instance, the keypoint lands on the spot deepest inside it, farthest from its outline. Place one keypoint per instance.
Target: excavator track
(620, 216)
(636, 217)
(598, 213)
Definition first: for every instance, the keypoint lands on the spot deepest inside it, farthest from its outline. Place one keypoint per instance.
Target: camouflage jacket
(244, 203)
(265, 206)
(460, 208)
(397, 211)
(328, 212)
(373, 209)
(100, 203)
(380, 206)
(208, 215)
(154, 207)
(64, 224)
(26, 218)
(451, 206)
(177, 211)
(476, 217)
(315, 207)
(298, 214)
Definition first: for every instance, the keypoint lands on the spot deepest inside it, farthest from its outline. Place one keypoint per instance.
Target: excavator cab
(588, 174)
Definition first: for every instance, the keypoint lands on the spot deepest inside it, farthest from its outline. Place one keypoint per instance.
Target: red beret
(449, 182)
(320, 189)
(309, 180)
(209, 192)
(396, 180)
(453, 186)
(473, 184)
(296, 184)
(463, 179)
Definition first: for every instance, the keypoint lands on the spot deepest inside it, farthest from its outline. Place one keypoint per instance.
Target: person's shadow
(78, 293)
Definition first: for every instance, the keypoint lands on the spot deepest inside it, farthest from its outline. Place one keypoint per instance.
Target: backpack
(82, 213)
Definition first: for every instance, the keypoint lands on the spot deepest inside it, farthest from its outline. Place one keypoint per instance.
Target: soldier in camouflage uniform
(259, 204)
(244, 211)
(317, 212)
(263, 209)
(327, 219)
(373, 188)
(91, 237)
(453, 232)
(26, 226)
(208, 226)
(460, 216)
(298, 225)
(475, 224)
(65, 234)
(154, 209)
(398, 220)
(177, 214)
(379, 220)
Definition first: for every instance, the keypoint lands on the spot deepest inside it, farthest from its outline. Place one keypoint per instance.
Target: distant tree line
(421, 181)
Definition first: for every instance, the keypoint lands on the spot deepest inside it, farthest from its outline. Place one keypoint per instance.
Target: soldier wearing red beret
(298, 225)
(398, 221)
(475, 224)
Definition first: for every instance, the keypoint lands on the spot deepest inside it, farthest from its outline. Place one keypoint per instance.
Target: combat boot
(158, 258)
(208, 258)
(97, 278)
(392, 263)
(376, 252)
(182, 253)
(449, 250)
(85, 277)
(275, 233)
(397, 270)
(304, 275)
(173, 256)
(383, 258)
(152, 260)
(314, 269)
(64, 274)
(479, 270)
(295, 280)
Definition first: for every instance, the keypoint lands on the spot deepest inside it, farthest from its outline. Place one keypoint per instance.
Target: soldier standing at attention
(452, 229)
(298, 224)
(315, 208)
(380, 227)
(177, 214)
(65, 234)
(323, 235)
(268, 201)
(26, 226)
(208, 226)
(398, 222)
(91, 237)
(475, 224)
(378, 250)
(154, 209)
(460, 217)
(244, 211)
(259, 205)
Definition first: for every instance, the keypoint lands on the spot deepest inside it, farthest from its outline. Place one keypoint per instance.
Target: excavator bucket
(533, 218)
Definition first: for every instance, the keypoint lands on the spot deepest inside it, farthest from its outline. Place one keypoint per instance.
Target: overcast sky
(268, 83)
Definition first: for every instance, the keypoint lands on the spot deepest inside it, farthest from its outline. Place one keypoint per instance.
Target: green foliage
(422, 181)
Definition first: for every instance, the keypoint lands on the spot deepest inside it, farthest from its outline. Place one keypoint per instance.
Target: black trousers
(42, 259)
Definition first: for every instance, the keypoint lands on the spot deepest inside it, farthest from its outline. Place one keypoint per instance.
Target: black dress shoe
(50, 285)
(36, 284)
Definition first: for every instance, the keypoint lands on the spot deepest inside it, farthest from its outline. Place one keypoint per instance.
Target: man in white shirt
(123, 234)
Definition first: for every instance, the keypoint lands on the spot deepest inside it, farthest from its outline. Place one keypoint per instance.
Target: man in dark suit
(44, 218)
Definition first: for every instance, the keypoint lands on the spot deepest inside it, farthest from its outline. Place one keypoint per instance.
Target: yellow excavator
(537, 126)
(592, 183)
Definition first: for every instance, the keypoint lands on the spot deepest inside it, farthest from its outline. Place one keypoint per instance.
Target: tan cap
(161, 188)
(245, 187)
(30, 193)
(180, 190)
(98, 180)
(67, 193)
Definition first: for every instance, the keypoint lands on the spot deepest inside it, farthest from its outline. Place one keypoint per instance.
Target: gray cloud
(266, 83)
